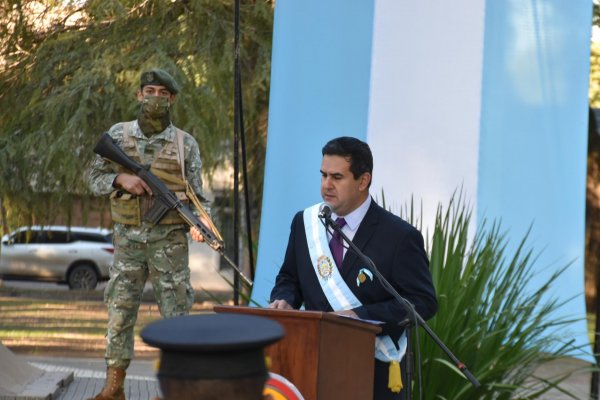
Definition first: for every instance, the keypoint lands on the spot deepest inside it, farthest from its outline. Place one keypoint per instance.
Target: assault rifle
(164, 199)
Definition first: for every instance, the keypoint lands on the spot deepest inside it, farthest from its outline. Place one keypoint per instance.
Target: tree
(593, 170)
(70, 69)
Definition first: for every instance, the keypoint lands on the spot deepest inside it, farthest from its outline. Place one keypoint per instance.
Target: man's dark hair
(355, 151)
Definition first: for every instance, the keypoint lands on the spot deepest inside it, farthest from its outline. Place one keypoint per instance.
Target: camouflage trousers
(165, 261)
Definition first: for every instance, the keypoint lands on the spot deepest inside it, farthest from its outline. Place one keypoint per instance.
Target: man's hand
(132, 184)
(196, 235)
(280, 305)
(195, 232)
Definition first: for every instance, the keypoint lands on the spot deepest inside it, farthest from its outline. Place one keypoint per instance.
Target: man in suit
(322, 274)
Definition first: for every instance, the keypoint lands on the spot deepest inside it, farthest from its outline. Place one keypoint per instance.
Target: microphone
(325, 211)
(325, 217)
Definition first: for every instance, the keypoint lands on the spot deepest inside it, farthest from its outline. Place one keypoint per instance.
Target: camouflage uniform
(159, 252)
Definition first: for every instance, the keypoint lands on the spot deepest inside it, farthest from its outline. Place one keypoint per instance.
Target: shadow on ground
(73, 323)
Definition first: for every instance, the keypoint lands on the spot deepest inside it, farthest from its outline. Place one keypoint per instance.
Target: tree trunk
(592, 240)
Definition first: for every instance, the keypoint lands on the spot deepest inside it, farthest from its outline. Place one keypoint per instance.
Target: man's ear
(140, 95)
(172, 98)
(365, 180)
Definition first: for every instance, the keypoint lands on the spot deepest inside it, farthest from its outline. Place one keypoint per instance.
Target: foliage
(594, 91)
(487, 316)
(70, 69)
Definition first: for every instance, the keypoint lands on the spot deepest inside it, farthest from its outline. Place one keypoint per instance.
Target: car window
(90, 237)
(56, 237)
(26, 237)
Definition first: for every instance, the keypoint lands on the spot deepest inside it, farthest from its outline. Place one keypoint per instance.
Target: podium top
(301, 314)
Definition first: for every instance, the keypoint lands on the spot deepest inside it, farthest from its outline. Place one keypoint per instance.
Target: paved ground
(89, 375)
(577, 384)
(141, 383)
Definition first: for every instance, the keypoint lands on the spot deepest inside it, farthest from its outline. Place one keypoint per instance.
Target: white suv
(78, 256)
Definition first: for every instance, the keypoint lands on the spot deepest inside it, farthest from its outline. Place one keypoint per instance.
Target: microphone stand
(413, 314)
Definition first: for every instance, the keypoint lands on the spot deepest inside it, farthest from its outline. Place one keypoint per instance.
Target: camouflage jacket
(102, 174)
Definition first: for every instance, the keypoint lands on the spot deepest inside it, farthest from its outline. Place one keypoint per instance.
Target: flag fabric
(489, 98)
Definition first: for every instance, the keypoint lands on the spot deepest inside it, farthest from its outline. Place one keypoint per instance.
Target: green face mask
(154, 115)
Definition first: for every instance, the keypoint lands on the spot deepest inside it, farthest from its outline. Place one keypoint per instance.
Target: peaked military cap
(212, 346)
(159, 77)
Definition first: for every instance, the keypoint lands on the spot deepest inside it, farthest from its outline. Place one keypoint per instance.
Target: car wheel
(83, 276)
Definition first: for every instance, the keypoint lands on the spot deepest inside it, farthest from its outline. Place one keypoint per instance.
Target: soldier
(212, 356)
(141, 249)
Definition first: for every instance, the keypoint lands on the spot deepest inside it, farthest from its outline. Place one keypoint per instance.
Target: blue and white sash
(336, 290)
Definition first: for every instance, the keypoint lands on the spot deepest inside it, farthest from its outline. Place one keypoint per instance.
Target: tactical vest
(129, 209)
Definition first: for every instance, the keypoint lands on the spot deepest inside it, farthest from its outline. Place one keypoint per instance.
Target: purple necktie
(336, 244)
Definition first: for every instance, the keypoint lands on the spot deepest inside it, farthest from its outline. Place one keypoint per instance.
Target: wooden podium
(327, 357)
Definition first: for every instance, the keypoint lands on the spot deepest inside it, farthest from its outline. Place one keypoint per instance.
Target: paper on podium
(367, 321)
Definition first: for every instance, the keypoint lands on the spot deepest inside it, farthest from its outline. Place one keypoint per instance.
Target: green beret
(159, 77)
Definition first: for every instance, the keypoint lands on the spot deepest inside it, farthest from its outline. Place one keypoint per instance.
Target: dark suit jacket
(397, 250)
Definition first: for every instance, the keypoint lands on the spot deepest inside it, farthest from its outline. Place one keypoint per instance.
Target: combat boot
(114, 388)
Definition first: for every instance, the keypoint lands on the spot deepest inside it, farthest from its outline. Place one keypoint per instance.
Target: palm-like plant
(487, 314)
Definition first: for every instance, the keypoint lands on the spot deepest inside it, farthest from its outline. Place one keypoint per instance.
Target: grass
(67, 326)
